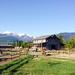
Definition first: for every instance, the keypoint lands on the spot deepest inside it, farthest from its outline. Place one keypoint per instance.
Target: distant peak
(12, 33)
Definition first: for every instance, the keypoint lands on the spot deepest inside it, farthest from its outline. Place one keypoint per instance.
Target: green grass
(48, 67)
(43, 66)
(11, 68)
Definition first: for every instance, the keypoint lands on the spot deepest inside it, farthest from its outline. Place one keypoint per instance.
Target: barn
(49, 42)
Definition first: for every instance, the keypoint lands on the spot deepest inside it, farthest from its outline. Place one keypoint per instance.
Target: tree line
(22, 44)
(69, 43)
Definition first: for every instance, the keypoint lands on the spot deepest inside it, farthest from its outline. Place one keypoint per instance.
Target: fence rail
(11, 53)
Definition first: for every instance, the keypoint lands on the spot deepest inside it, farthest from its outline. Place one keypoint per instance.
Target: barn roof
(44, 37)
(41, 37)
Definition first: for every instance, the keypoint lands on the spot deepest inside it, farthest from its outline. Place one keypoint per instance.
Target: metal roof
(41, 37)
(44, 37)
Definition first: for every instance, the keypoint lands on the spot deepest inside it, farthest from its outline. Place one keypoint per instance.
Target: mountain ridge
(67, 35)
(11, 37)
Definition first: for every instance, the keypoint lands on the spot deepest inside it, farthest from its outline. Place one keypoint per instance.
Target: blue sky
(37, 17)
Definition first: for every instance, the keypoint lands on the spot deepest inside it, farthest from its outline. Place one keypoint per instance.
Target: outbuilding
(49, 42)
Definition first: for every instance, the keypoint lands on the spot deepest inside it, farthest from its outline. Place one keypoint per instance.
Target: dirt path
(65, 56)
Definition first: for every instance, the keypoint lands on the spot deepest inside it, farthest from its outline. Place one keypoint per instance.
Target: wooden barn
(49, 42)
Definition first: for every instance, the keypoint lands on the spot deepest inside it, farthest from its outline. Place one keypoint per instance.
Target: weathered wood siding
(53, 42)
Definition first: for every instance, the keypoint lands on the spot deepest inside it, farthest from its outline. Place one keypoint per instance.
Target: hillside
(11, 37)
(67, 36)
(8, 38)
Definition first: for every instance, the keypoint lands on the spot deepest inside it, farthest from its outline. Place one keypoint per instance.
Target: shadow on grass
(18, 66)
(5, 67)
(15, 65)
(53, 63)
(72, 73)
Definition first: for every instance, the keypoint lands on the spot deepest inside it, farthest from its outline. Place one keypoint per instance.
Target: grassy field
(40, 66)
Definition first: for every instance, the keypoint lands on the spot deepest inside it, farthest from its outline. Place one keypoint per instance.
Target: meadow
(39, 66)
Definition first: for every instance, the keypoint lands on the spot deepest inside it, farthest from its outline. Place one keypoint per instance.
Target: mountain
(67, 35)
(26, 38)
(11, 37)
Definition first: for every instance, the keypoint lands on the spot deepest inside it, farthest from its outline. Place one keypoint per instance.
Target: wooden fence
(11, 53)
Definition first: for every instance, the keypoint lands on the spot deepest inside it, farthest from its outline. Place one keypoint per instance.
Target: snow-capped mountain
(10, 37)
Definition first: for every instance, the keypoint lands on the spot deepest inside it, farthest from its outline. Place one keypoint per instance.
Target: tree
(26, 44)
(22, 44)
(19, 43)
(70, 44)
(61, 38)
(14, 44)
